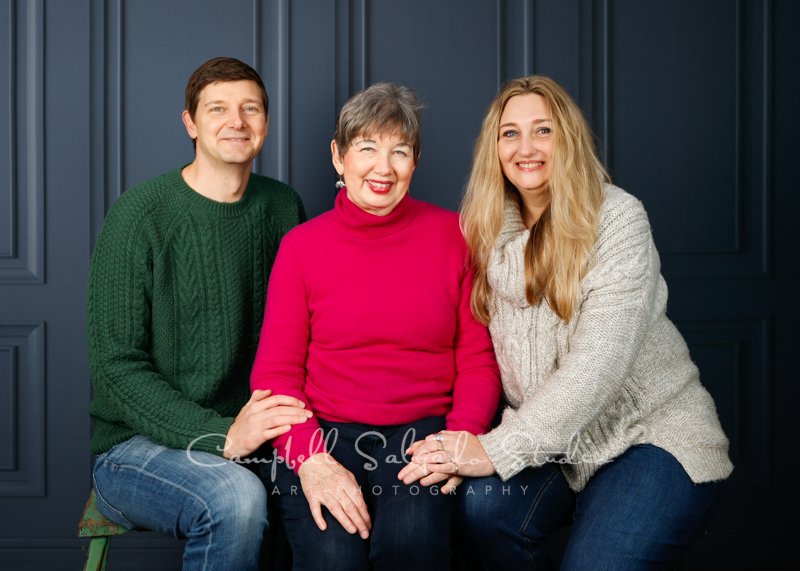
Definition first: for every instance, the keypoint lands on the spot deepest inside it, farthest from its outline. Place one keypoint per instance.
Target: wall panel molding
(272, 59)
(767, 86)
(351, 38)
(106, 96)
(22, 247)
(601, 78)
(8, 159)
(515, 39)
(22, 356)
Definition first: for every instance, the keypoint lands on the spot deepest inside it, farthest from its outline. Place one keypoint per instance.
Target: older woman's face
(525, 144)
(377, 171)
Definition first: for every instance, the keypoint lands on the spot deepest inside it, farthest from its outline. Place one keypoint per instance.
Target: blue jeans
(219, 507)
(410, 524)
(638, 512)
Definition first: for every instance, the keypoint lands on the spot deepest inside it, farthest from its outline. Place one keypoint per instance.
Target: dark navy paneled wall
(694, 103)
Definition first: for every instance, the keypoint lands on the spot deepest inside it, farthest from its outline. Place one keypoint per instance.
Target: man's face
(230, 123)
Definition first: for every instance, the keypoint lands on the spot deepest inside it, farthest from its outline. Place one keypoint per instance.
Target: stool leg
(97, 557)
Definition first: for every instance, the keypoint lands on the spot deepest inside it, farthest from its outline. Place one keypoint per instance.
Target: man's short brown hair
(220, 69)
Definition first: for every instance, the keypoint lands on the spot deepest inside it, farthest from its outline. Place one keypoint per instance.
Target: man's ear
(186, 117)
(336, 159)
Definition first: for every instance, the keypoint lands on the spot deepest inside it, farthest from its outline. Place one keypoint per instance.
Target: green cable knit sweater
(176, 298)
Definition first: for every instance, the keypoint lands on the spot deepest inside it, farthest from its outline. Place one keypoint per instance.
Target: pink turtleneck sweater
(368, 321)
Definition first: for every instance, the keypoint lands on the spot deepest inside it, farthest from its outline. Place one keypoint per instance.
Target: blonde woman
(607, 424)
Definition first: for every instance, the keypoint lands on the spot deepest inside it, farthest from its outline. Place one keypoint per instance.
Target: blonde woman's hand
(449, 453)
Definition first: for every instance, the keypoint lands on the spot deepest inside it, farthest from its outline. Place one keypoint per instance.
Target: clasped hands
(447, 455)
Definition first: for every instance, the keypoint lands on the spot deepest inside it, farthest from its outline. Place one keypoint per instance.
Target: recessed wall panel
(311, 102)
(22, 142)
(8, 414)
(732, 358)
(450, 58)
(157, 59)
(674, 118)
(22, 358)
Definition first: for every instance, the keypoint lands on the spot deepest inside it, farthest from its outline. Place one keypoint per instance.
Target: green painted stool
(100, 529)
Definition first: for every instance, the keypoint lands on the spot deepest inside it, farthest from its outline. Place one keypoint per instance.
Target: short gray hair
(380, 108)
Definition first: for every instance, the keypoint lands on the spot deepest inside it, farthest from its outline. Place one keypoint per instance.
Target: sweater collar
(506, 267)
(199, 203)
(362, 224)
(512, 224)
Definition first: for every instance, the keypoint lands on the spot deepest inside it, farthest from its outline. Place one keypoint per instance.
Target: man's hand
(263, 418)
(327, 483)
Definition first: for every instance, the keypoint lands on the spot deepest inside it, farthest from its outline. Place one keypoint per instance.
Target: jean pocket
(104, 468)
(108, 510)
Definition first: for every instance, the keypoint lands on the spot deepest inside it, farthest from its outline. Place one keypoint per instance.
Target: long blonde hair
(557, 252)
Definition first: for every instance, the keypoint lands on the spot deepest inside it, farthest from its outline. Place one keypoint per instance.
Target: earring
(339, 183)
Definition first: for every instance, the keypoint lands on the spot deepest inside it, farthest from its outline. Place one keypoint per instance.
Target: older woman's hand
(446, 453)
(327, 483)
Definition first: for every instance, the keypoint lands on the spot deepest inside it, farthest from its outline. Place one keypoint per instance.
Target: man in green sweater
(176, 299)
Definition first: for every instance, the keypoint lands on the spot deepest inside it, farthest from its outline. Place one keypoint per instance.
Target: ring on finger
(453, 462)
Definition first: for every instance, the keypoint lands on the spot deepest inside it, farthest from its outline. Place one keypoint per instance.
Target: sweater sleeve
(476, 391)
(619, 301)
(119, 317)
(282, 348)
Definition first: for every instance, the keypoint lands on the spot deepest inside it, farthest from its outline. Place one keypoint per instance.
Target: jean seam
(535, 504)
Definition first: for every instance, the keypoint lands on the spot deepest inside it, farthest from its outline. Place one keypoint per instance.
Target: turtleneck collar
(362, 224)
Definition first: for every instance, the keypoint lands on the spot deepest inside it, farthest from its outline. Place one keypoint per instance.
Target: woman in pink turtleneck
(368, 322)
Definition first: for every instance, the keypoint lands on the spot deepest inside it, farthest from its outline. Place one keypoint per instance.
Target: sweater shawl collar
(506, 267)
(361, 224)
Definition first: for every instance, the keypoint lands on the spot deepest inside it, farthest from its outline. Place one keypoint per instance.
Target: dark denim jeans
(410, 524)
(638, 512)
(219, 507)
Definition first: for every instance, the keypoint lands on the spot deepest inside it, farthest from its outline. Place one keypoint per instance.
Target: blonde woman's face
(525, 145)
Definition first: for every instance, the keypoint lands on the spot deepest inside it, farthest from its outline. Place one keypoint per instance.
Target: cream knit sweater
(616, 375)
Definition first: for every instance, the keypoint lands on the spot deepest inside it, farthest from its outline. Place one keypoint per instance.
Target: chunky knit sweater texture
(368, 321)
(176, 296)
(616, 375)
